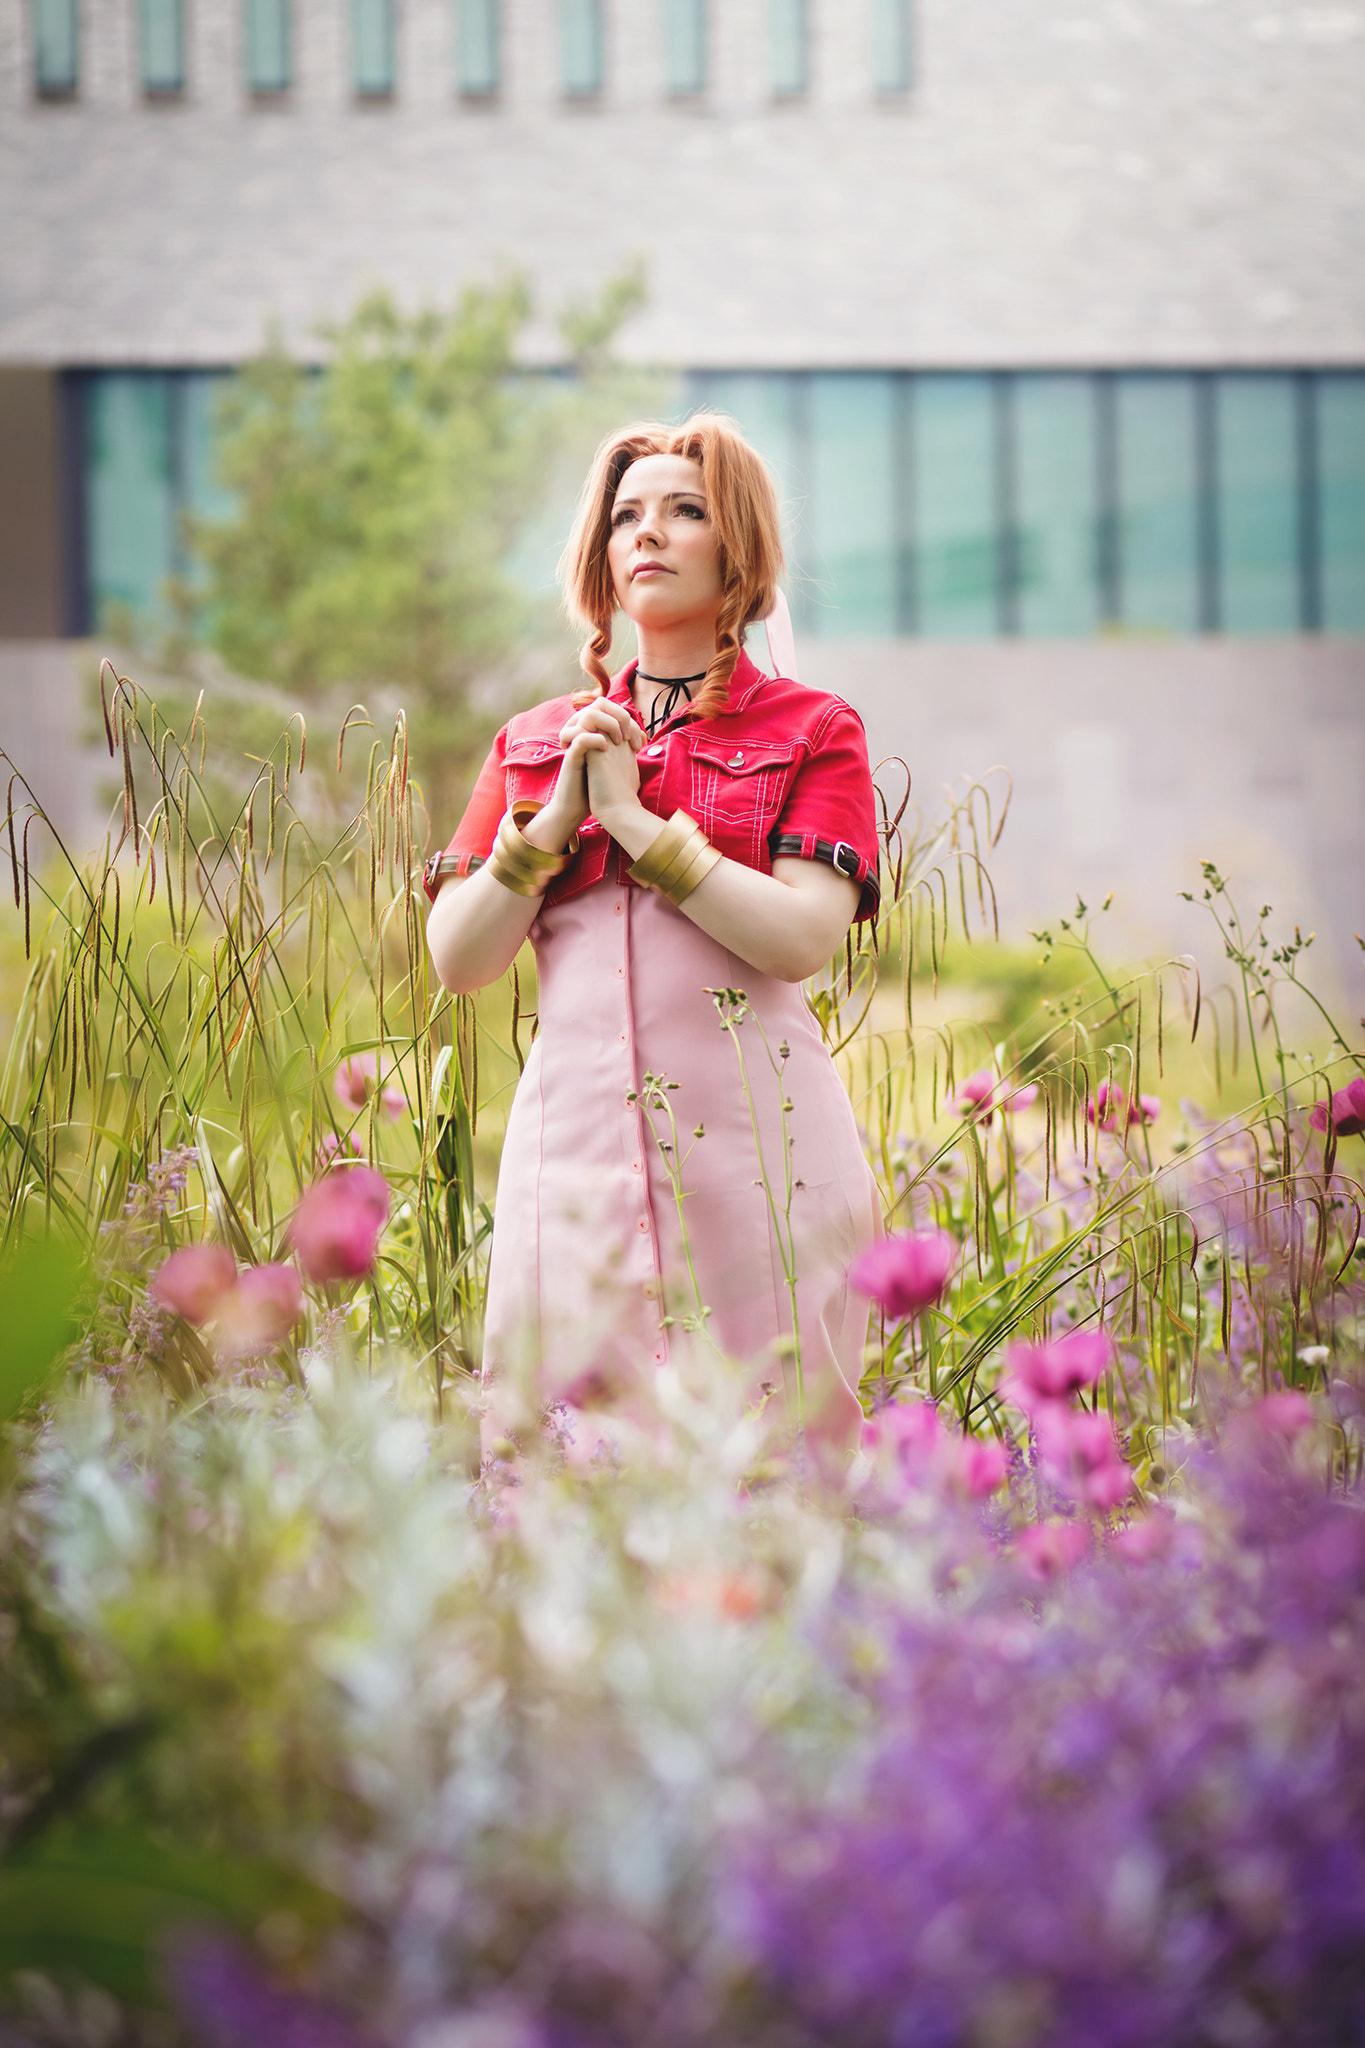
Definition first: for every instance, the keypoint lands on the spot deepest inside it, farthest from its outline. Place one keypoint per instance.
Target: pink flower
(193, 1281)
(334, 1145)
(1111, 1110)
(1049, 1372)
(337, 1226)
(1348, 1111)
(907, 1271)
(980, 1093)
(1146, 1536)
(909, 1429)
(982, 1466)
(1047, 1549)
(357, 1078)
(261, 1310)
(1082, 1453)
(1285, 1414)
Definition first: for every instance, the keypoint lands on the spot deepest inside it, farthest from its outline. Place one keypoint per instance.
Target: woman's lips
(649, 569)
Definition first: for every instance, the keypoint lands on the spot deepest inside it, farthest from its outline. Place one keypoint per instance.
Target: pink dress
(623, 1242)
(588, 1246)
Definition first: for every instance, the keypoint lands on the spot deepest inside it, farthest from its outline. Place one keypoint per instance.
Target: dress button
(635, 1166)
(624, 1039)
(643, 1224)
(620, 909)
(651, 752)
(620, 974)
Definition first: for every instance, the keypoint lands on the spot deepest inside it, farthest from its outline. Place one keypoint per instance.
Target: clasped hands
(599, 773)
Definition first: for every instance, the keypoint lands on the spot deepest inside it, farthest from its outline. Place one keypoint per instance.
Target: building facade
(1050, 315)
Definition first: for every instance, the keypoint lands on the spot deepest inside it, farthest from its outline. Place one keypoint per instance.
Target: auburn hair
(742, 506)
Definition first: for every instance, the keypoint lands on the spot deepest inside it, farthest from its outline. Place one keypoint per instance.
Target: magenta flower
(1348, 1110)
(194, 1281)
(907, 1271)
(1285, 1414)
(1049, 1372)
(910, 1429)
(982, 1466)
(338, 1224)
(1047, 1549)
(1146, 1536)
(981, 1094)
(356, 1080)
(334, 1147)
(1112, 1111)
(1082, 1453)
(261, 1310)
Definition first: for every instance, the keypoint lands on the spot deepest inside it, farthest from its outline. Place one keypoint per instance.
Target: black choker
(673, 688)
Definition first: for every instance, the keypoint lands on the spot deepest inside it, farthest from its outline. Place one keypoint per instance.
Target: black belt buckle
(845, 859)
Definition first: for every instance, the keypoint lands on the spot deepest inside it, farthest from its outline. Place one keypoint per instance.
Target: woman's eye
(692, 511)
(621, 518)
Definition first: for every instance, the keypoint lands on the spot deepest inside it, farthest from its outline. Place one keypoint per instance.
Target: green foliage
(376, 501)
(37, 1317)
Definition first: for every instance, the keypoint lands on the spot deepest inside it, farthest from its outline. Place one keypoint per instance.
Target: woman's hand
(569, 805)
(611, 739)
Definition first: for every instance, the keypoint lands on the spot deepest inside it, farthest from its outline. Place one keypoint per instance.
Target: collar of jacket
(747, 680)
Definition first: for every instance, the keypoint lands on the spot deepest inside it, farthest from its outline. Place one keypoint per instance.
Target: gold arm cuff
(524, 869)
(680, 857)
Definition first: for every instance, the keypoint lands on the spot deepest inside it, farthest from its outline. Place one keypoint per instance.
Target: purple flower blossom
(1049, 1372)
(1111, 1110)
(907, 1271)
(194, 1281)
(338, 1223)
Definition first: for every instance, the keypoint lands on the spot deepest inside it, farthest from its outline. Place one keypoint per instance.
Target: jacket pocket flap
(744, 757)
(532, 753)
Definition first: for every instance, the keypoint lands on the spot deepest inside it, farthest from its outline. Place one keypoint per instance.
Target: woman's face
(662, 551)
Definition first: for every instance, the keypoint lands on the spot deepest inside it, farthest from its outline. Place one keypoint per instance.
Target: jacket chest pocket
(530, 770)
(741, 785)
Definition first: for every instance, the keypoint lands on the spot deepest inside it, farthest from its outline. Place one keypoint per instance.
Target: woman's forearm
(477, 925)
(787, 924)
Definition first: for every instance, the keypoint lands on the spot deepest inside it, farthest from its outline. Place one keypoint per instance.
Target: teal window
(478, 48)
(852, 515)
(789, 48)
(55, 32)
(891, 62)
(1056, 526)
(372, 48)
(267, 45)
(955, 527)
(1256, 442)
(685, 47)
(580, 48)
(162, 25)
(149, 461)
(1341, 500)
(1157, 513)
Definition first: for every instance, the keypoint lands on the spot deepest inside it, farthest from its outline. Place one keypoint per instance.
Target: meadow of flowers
(1047, 1727)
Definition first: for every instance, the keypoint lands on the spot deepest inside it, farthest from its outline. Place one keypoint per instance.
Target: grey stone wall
(1070, 181)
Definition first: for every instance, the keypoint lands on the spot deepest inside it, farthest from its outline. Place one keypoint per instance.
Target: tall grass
(194, 990)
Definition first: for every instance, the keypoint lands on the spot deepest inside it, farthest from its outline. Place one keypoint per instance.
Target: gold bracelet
(524, 869)
(680, 858)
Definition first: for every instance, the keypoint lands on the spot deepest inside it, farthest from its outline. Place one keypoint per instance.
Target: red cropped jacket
(782, 770)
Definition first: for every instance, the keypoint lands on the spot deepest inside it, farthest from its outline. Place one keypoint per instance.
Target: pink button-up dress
(590, 1277)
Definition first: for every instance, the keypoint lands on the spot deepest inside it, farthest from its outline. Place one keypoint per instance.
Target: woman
(676, 1159)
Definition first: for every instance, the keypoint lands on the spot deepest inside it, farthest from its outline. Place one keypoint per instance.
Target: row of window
(947, 505)
(268, 57)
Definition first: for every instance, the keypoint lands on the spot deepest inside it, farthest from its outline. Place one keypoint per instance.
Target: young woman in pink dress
(692, 826)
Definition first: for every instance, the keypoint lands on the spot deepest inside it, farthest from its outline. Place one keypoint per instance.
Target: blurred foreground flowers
(665, 1751)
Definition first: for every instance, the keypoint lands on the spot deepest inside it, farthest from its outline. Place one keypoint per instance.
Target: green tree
(376, 502)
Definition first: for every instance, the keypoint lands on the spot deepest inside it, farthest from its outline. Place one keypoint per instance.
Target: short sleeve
(477, 829)
(831, 813)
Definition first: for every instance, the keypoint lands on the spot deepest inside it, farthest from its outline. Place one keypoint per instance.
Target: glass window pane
(955, 538)
(130, 497)
(54, 45)
(1158, 518)
(1341, 500)
(685, 46)
(766, 406)
(852, 516)
(163, 46)
(267, 45)
(789, 47)
(1055, 506)
(372, 48)
(891, 45)
(478, 47)
(580, 32)
(1258, 504)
